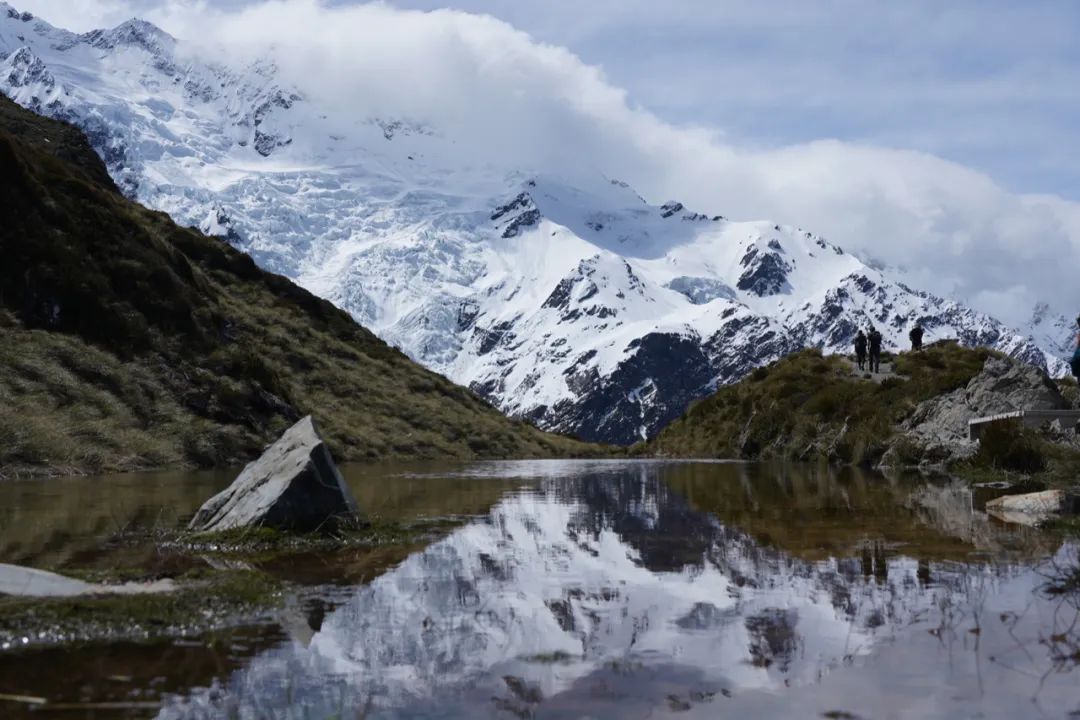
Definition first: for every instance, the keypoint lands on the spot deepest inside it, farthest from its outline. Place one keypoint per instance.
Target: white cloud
(501, 93)
(79, 15)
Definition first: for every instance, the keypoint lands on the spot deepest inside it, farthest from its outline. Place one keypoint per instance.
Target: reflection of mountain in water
(558, 588)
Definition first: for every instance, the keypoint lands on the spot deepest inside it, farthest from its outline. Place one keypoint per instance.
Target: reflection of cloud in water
(579, 586)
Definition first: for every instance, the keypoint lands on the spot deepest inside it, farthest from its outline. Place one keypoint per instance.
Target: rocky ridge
(939, 426)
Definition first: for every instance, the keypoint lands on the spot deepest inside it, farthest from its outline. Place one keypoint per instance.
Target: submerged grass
(222, 579)
(1065, 526)
(204, 601)
(264, 541)
(227, 579)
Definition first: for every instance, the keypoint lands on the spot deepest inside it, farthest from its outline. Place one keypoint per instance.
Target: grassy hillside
(807, 406)
(126, 341)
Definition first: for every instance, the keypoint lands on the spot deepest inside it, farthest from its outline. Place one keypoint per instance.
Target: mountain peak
(1040, 313)
(15, 14)
(23, 68)
(133, 32)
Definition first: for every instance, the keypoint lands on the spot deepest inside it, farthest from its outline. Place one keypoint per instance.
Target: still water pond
(590, 590)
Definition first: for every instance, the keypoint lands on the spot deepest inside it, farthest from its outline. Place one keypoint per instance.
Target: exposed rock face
(765, 273)
(940, 425)
(294, 486)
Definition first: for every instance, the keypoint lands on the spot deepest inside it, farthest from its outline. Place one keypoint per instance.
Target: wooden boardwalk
(1028, 418)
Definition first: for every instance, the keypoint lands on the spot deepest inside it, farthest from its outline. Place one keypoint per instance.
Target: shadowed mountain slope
(127, 341)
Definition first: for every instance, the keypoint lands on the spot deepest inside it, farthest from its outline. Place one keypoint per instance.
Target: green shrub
(907, 452)
(889, 383)
(1007, 445)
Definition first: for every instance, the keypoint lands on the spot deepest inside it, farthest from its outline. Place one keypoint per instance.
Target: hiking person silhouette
(875, 349)
(916, 337)
(860, 350)
(1074, 363)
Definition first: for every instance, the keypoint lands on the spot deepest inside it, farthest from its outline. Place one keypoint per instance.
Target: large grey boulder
(1034, 508)
(939, 426)
(293, 486)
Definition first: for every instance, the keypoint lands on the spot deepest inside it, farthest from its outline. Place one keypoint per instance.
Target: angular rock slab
(1032, 508)
(293, 486)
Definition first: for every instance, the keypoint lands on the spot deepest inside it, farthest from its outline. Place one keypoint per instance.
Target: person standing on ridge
(1074, 363)
(860, 350)
(916, 337)
(875, 349)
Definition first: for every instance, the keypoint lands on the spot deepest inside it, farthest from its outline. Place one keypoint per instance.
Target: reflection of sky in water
(609, 596)
(556, 469)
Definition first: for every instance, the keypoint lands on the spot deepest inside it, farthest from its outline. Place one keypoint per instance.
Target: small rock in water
(1033, 508)
(293, 486)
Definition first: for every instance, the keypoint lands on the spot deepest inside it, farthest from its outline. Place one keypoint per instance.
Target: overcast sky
(988, 83)
(916, 131)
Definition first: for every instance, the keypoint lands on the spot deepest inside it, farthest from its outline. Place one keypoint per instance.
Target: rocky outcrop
(939, 426)
(293, 486)
(764, 274)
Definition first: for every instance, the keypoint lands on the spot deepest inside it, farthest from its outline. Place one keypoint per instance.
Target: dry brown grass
(807, 406)
(128, 342)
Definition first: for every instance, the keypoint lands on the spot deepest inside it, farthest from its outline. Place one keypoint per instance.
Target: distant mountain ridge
(566, 299)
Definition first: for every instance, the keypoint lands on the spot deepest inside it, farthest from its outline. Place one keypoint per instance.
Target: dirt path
(886, 371)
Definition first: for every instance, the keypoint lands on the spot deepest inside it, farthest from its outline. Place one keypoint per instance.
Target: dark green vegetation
(1008, 451)
(807, 406)
(128, 342)
(268, 542)
(120, 529)
(205, 600)
(222, 580)
(810, 407)
(1007, 445)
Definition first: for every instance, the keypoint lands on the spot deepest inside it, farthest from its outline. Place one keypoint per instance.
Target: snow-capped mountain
(566, 299)
(1054, 333)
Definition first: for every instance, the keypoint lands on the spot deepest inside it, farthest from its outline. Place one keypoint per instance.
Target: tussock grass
(808, 406)
(128, 342)
(1007, 445)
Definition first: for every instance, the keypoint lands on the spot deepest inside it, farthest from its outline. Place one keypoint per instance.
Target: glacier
(565, 299)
